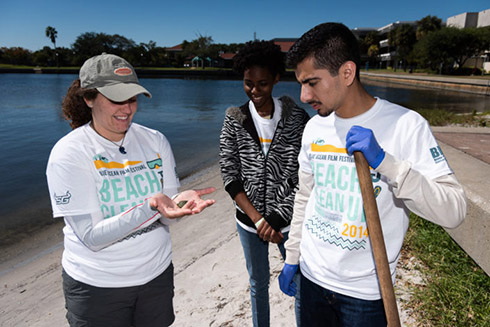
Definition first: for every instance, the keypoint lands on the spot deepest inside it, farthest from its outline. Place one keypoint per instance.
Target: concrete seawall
(468, 85)
(467, 150)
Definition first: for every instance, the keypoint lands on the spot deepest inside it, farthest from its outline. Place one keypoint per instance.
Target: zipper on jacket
(266, 157)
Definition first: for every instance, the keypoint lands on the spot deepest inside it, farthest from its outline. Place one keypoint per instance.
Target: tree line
(90, 44)
(428, 46)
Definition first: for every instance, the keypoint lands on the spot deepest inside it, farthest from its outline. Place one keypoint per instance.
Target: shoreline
(465, 84)
(20, 248)
(30, 270)
(37, 214)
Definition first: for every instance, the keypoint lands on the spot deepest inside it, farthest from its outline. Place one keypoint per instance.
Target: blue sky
(168, 23)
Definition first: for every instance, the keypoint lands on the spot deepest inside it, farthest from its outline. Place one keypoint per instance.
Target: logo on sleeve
(437, 154)
(62, 199)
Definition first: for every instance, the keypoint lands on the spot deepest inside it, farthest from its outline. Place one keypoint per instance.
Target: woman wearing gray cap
(115, 185)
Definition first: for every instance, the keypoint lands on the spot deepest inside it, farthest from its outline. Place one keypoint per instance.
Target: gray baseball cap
(112, 76)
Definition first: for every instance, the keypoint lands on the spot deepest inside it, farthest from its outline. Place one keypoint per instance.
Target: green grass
(14, 66)
(439, 117)
(456, 291)
(32, 67)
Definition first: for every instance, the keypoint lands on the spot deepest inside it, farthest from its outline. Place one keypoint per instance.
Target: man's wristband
(257, 224)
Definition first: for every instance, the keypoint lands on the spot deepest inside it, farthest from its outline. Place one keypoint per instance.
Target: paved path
(475, 144)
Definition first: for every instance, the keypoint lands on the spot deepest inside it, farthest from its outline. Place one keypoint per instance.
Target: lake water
(189, 112)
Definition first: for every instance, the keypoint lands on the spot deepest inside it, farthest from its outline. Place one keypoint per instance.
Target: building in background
(471, 20)
(387, 53)
(464, 20)
(284, 43)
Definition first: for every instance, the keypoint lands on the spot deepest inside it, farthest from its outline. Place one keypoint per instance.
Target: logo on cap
(123, 71)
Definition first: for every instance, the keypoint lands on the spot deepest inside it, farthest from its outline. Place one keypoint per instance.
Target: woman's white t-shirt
(87, 174)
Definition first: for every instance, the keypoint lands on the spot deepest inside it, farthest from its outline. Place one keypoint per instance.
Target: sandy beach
(211, 281)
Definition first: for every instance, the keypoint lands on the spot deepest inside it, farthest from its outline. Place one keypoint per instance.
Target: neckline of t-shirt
(109, 142)
(362, 117)
(262, 120)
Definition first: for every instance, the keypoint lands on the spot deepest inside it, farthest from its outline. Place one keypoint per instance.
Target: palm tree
(52, 34)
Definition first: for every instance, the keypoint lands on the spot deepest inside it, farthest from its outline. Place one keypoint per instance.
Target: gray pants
(148, 305)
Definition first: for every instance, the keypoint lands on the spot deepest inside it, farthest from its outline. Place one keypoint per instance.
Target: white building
(483, 18)
(387, 53)
(473, 19)
(464, 20)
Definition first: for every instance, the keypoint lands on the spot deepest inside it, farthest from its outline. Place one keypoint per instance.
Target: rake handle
(377, 241)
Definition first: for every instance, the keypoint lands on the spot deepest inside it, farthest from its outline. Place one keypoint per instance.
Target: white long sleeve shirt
(328, 235)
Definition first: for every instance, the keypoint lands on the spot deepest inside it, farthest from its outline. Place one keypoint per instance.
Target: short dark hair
(260, 53)
(330, 44)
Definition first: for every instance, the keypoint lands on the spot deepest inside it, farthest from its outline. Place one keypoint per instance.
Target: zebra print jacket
(270, 182)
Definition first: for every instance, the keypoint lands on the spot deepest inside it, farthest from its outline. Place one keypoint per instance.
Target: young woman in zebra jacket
(259, 146)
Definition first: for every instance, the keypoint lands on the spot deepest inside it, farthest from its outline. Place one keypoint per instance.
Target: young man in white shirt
(328, 237)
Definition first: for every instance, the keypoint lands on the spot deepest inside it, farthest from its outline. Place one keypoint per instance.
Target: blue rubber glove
(286, 283)
(362, 139)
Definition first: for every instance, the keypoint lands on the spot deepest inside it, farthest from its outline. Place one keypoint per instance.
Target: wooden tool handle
(377, 240)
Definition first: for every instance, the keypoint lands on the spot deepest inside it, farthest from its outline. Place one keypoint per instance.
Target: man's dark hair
(260, 53)
(330, 44)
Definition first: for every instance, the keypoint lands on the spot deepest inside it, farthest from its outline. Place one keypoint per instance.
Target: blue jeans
(256, 253)
(322, 307)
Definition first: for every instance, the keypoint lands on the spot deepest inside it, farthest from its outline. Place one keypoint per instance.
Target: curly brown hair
(75, 110)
